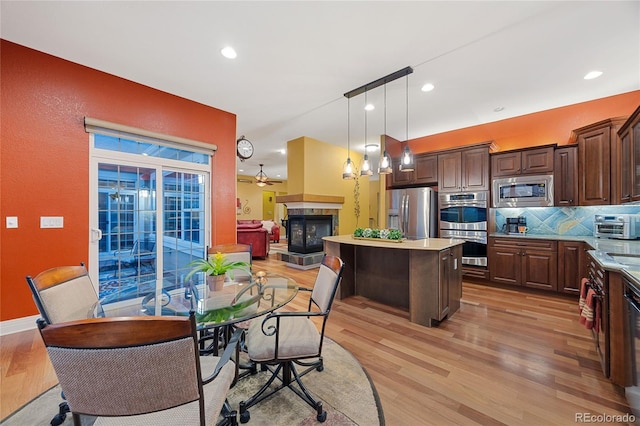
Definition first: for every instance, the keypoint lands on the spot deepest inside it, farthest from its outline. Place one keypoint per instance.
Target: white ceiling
(296, 59)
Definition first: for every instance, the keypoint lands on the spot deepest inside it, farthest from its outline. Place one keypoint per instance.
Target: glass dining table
(237, 301)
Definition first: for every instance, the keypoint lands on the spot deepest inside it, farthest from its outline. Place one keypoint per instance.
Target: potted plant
(216, 267)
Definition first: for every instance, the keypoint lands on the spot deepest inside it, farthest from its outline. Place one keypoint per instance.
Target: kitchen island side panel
(383, 275)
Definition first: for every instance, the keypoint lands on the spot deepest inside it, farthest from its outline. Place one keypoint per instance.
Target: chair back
(127, 366)
(326, 284)
(64, 293)
(235, 253)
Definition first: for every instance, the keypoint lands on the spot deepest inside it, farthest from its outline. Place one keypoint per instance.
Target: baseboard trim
(17, 325)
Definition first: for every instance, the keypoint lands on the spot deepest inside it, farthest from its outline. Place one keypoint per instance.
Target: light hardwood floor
(506, 357)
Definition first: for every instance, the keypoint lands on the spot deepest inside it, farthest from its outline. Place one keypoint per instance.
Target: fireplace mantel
(311, 201)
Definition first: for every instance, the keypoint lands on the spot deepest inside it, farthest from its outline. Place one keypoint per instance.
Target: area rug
(347, 393)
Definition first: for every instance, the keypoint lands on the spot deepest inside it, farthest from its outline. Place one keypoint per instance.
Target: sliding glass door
(148, 220)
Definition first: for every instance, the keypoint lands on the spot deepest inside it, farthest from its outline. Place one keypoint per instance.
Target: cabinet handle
(604, 199)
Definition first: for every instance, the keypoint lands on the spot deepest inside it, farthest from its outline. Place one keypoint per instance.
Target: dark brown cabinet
(571, 266)
(425, 173)
(628, 159)
(523, 262)
(565, 176)
(597, 148)
(464, 170)
(523, 162)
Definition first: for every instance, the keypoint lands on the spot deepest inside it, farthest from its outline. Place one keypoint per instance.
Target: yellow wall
(315, 167)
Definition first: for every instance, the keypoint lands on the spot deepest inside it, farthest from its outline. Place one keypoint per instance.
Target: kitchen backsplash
(558, 220)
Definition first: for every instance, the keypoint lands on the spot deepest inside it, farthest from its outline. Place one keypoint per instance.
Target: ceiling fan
(261, 179)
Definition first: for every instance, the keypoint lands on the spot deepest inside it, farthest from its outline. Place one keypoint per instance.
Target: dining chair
(283, 340)
(217, 337)
(140, 370)
(63, 293)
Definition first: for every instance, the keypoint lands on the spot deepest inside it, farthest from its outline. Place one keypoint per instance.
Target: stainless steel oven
(464, 216)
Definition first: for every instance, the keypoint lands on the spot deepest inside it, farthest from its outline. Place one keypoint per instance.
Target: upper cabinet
(598, 147)
(464, 170)
(629, 159)
(425, 173)
(537, 161)
(565, 176)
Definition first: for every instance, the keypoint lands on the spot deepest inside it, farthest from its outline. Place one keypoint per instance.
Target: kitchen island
(423, 276)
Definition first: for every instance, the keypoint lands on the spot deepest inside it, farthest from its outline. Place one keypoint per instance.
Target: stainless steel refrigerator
(414, 211)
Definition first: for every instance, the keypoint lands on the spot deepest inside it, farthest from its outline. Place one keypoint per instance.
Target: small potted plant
(216, 267)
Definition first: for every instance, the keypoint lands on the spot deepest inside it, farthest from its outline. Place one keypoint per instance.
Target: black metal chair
(286, 339)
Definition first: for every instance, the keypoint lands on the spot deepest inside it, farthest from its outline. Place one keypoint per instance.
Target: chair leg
(59, 418)
(288, 372)
(259, 396)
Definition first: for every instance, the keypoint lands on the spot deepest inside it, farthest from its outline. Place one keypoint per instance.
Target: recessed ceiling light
(592, 74)
(283, 151)
(371, 147)
(229, 52)
(428, 87)
(241, 170)
(498, 109)
(369, 107)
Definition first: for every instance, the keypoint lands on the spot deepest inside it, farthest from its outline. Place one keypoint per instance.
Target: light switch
(51, 222)
(12, 221)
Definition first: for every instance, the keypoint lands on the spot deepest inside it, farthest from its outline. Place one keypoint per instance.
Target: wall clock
(244, 148)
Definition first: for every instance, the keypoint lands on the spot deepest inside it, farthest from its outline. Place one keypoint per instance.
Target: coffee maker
(512, 225)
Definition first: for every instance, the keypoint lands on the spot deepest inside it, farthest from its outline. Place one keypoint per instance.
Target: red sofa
(252, 232)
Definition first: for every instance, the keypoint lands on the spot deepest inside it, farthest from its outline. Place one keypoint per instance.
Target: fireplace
(305, 232)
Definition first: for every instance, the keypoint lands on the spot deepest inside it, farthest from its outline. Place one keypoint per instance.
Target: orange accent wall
(44, 158)
(540, 128)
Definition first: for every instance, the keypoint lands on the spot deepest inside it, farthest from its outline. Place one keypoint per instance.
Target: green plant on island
(383, 234)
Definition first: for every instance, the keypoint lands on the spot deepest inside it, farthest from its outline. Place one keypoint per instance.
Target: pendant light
(347, 169)
(406, 161)
(261, 177)
(365, 169)
(384, 167)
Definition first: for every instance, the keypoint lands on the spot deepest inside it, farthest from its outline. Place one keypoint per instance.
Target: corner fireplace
(305, 232)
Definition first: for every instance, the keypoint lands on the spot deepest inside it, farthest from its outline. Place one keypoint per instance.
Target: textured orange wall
(540, 128)
(44, 158)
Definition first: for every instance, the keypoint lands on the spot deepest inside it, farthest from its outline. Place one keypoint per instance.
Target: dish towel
(583, 294)
(586, 316)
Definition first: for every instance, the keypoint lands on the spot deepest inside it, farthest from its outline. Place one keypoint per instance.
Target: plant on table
(216, 264)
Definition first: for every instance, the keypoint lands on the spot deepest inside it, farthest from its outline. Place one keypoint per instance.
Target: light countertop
(435, 244)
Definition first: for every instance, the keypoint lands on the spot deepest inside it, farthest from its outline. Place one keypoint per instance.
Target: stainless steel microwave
(523, 191)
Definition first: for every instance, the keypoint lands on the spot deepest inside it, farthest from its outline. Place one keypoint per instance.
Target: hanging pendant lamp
(406, 161)
(384, 167)
(261, 177)
(348, 167)
(365, 169)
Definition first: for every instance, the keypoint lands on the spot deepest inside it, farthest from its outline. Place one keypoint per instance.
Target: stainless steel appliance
(414, 211)
(523, 191)
(620, 226)
(464, 216)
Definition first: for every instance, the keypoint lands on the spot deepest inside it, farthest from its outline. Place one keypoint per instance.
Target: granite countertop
(603, 251)
(435, 244)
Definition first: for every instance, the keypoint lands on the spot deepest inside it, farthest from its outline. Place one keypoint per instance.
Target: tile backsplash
(558, 220)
